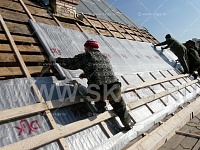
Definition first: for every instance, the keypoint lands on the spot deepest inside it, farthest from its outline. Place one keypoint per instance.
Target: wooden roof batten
(24, 68)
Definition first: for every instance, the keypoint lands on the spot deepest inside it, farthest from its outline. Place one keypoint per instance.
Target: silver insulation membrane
(133, 62)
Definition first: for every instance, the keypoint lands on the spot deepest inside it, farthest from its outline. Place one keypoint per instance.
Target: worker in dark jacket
(193, 58)
(178, 49)
(102, 83)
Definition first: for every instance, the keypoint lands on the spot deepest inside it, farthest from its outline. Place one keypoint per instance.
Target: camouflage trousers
(112, 92)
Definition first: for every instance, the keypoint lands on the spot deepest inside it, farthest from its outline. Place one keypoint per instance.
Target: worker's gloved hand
(52, 59)
(82, 75)
(154, 45)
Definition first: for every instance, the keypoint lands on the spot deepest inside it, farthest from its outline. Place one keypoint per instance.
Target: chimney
(64, 8)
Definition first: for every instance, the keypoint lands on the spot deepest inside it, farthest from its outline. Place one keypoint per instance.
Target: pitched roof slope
(54, 118)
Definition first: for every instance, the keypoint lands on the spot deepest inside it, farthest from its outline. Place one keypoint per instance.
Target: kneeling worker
(101, 79)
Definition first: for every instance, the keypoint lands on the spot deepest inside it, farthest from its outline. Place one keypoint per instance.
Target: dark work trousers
(194, 60)
(111, 92)
(181, 53)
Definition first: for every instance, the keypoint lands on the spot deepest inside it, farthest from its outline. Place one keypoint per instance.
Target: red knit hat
(91, 43)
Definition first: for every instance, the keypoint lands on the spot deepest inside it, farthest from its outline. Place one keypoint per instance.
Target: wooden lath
(57, 104)
(62, 142)
(83, 124)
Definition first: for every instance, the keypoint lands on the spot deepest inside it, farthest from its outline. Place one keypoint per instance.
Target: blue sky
(180, 18)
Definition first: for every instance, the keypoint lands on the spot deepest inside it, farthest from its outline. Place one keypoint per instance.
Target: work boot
(195, 74)
(100, 105)
(126, 122)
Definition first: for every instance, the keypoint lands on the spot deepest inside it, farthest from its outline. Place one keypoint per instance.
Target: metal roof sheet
(102, 9)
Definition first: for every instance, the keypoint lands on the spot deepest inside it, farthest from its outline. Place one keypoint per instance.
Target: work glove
(82, 75)
(52, 59)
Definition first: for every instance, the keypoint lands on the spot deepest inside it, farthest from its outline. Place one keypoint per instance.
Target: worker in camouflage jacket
(193, 58)
(102, 83)
(178, 49)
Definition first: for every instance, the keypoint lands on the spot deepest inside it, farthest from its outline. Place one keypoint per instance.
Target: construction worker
(193, 58)
(102, 83)
(178, 49)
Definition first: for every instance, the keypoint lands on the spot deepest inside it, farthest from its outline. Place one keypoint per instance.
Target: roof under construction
(42, 109)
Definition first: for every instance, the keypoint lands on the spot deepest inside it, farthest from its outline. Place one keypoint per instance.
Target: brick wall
(65, 8)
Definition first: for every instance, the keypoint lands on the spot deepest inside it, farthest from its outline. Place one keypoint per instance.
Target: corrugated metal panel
(16, 93)
(86, 139)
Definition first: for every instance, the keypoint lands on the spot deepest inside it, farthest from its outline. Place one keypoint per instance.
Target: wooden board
(13, 15)
(31, 3)
(21, 111)
(22, 48)
(10, 57)
(22, 39)
(55, 134)
(9, 4)
(14, 71)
